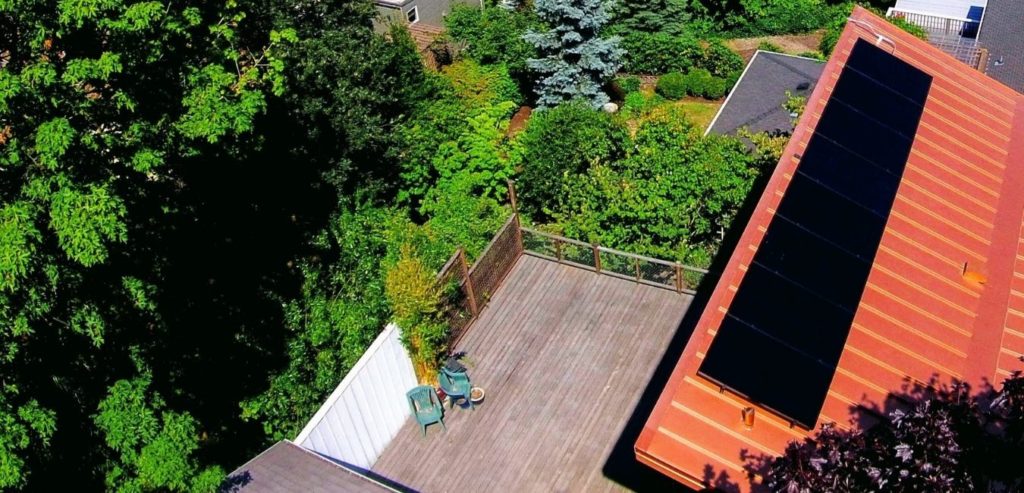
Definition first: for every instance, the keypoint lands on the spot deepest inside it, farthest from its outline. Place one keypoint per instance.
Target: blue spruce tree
(574, 60)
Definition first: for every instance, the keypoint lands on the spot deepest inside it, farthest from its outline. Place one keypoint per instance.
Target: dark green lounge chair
(426, 407)
(456, 385)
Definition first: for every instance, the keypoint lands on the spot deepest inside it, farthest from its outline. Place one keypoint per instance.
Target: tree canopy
(952, 439)
(575, 60)
(209, 210)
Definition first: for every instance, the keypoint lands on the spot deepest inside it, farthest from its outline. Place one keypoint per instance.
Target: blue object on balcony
(456, 385)
(426, 407)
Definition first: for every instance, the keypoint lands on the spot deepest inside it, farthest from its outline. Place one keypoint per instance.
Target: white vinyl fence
(367, 408)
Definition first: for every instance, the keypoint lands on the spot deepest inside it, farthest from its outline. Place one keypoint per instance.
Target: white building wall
(958, 9)
(368, 407)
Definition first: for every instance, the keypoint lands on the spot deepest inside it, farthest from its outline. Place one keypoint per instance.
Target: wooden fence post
(512, 197)
(558, 250)
(636, 263)
(680, 283)
(469, 283)
(597, 256)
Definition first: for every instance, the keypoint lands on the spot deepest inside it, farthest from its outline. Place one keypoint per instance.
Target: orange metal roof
(960, 200)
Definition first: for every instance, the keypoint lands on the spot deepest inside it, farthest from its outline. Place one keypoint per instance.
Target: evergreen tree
(654, 16)
(575, 60)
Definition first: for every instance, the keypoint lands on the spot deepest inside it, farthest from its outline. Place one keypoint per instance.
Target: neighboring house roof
(948, 176)
(423, 35)
(960, 9)
(756, 101)
(391, 3)
(1002, 33)
(286, 467)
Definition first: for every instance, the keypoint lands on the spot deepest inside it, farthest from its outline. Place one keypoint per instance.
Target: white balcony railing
(938, 25)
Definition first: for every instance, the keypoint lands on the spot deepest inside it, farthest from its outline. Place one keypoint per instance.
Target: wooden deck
(563, 355)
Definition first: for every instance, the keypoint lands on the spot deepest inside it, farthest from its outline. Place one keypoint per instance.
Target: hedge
(673, 85)
(659, 53)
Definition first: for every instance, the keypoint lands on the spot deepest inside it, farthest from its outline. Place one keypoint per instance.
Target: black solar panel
(782, 337)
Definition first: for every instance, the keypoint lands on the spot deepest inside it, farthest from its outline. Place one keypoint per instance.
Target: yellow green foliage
(414, 298)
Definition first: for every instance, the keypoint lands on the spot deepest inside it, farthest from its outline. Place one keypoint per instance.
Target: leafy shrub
(658, 16)
(661, 53)
(414, 299)
(835, 28)
(481, 85)
(721, 62)
(493, 35)
(674, 194)
(913, 29)
(700, 82)
(769, 46)
(638, 104)
(674, 85)
(715, 88)
(557, 145)
(766, 17)
(657, 53)
(817, 55)
(831, 36)
(628, 84)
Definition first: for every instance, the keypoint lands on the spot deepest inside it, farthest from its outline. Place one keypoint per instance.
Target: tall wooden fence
(467, 289)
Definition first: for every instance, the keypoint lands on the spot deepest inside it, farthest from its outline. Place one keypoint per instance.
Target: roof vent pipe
(748, 417)
(974, 276)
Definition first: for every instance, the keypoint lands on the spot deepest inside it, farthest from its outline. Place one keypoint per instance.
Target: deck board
(563, 354)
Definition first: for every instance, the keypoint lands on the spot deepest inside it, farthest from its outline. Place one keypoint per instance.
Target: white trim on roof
(731, 92)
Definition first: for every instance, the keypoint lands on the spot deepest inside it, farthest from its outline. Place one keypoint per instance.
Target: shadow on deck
(564, 355)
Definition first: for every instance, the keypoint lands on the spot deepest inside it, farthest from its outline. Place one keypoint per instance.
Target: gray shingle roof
(1002, 32)
(756, 100)
(286, 467)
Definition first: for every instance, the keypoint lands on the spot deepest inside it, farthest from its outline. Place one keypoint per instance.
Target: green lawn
(699, 111)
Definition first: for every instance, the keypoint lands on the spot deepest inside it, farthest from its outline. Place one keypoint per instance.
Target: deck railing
(602, 260)
(467, 289)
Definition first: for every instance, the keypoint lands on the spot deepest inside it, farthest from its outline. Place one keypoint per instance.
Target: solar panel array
(781, 339)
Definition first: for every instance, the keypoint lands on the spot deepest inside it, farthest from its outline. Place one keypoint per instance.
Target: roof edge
(731, 92)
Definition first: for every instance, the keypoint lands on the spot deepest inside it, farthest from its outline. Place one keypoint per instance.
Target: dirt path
(791, 44)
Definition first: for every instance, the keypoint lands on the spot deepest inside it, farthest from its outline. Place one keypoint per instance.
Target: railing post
(558, 250)
(597, 256)
(512, 197)
(636, 263)
(469, 282)
(680, 283)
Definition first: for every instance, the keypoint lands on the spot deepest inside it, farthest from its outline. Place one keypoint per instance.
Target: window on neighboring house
(413, 15)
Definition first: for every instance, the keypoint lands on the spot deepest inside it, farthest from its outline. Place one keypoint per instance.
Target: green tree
(477, 158)
(348, 89)
(103, 105)
(575, 60)
(468, 107)
(154, 447)
(339, 312)
(673, 196)
(558, 146)
(658, 16)
(494, 36)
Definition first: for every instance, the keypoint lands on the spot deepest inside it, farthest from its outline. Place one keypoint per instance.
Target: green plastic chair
(426, 407)
(456, 385)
